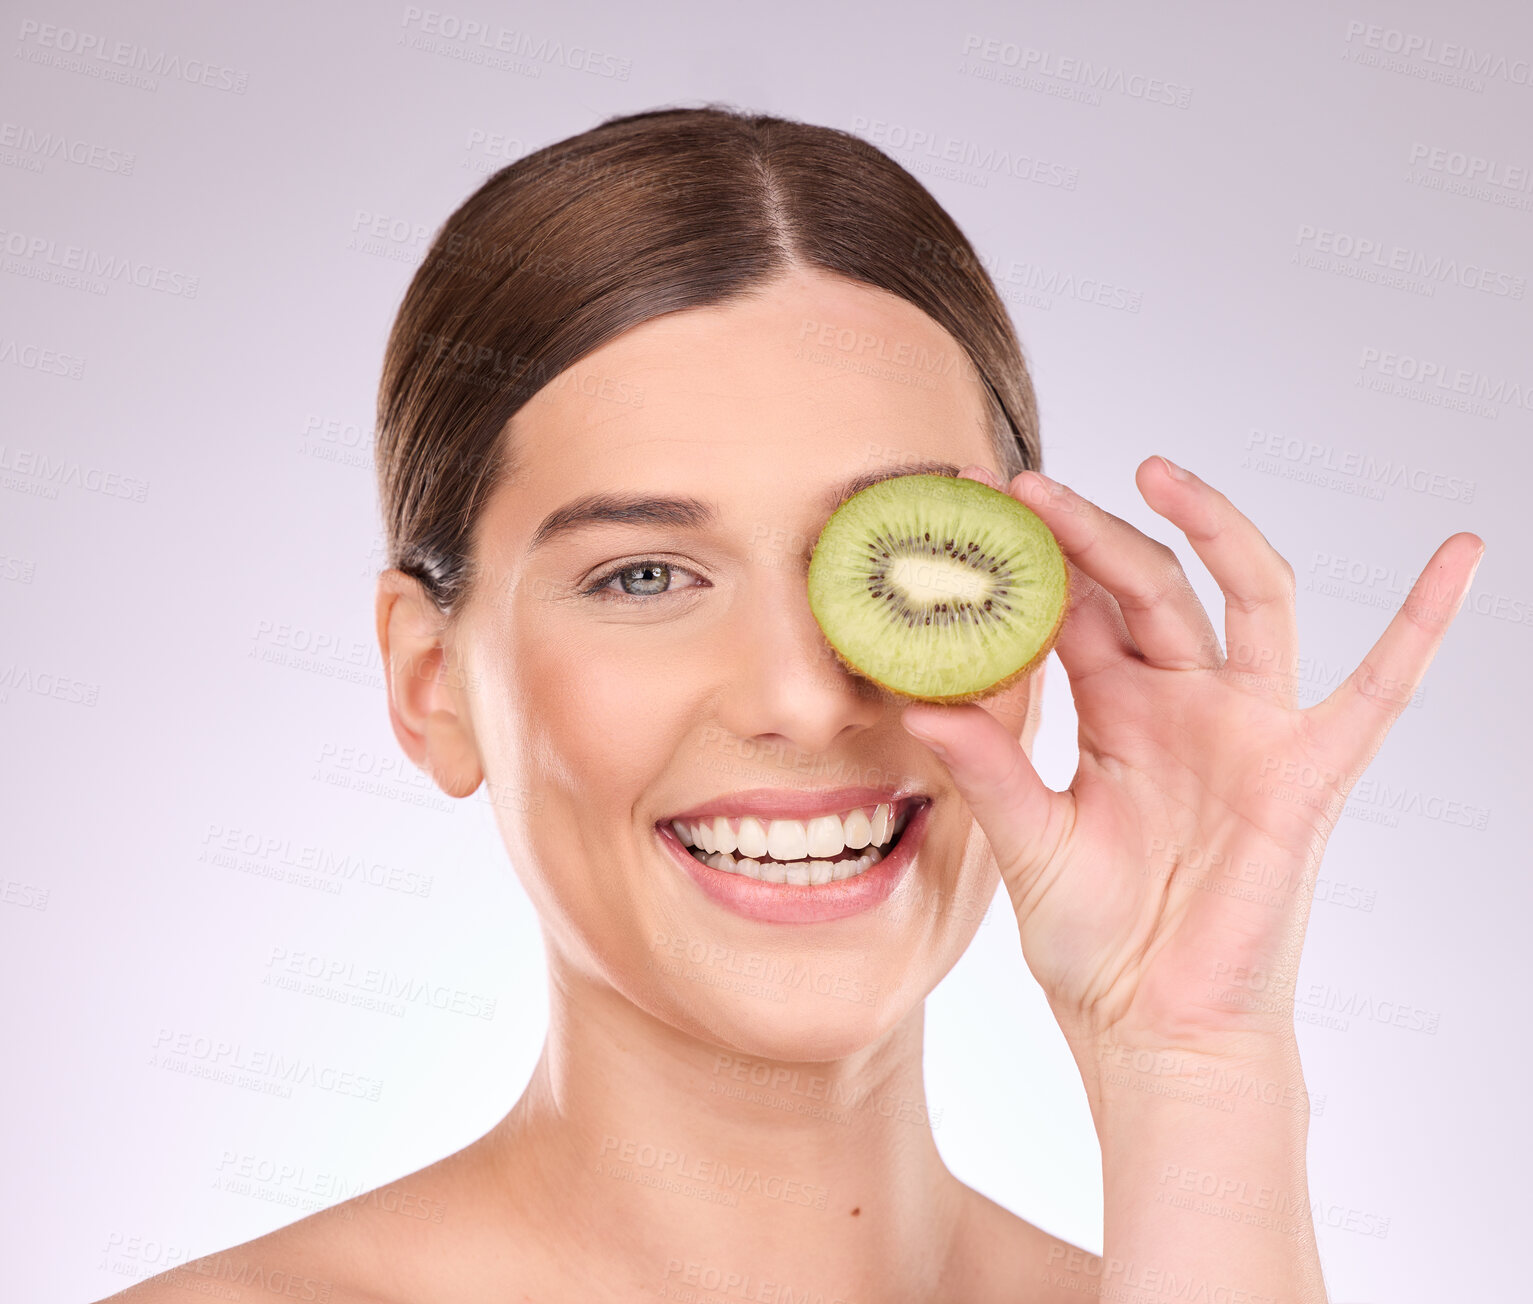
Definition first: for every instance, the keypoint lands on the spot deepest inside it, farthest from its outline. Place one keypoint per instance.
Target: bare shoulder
(385, 1246)
(1003, 1250)
(306, 1260)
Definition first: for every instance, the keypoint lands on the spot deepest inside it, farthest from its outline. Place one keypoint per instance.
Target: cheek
(604, 712)
(591, 729)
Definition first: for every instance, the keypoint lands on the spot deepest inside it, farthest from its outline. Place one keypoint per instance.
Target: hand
(1162, 898)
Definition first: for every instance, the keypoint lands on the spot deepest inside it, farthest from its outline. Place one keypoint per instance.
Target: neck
(704, 1171)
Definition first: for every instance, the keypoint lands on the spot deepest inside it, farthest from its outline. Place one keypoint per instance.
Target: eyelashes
(669, 569)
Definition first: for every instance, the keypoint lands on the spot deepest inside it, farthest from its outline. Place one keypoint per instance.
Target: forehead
(804, 358)
(805, 382)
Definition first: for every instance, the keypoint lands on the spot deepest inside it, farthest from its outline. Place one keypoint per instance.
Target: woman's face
(628, 665)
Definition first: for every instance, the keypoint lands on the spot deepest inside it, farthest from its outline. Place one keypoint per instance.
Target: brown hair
(645, 214)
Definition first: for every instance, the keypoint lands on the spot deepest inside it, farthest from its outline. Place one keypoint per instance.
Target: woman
(632, 378)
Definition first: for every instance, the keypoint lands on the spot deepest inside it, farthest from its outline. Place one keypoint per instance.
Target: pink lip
(784, 903)
(789, 805)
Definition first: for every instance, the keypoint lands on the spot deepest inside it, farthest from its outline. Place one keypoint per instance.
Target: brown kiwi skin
(1000, 685)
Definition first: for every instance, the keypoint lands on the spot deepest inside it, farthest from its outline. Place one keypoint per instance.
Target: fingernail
(973, 471)
(1172, 469)
(924, 737)
(1053, 486)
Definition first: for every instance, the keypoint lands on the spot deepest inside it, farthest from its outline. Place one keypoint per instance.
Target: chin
(805, 1028)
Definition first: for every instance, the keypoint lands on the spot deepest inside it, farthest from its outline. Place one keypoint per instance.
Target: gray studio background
(1287, 246)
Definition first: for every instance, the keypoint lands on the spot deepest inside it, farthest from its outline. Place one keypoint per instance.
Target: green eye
(652, 578)
(645, 579)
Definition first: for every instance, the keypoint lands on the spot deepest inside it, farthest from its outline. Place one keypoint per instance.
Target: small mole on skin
(856, 1211)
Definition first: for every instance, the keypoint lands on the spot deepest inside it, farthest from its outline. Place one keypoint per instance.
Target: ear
(428, 707)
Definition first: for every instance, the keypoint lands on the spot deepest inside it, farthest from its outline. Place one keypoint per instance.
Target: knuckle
(1425, 615)
(1147, 594)
(1363, 686)
(1287, 576)
(1280, 590)
(1249, 603)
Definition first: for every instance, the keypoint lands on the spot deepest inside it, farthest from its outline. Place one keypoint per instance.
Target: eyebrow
(692, 513)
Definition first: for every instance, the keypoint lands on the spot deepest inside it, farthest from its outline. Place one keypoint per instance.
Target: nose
(788, 689)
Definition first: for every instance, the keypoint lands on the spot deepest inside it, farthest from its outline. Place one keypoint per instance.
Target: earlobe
(451, 757)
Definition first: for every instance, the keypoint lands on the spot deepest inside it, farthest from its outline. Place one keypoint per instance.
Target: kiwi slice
(937, 587)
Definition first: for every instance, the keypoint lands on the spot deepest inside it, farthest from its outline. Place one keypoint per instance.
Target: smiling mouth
(803, 853)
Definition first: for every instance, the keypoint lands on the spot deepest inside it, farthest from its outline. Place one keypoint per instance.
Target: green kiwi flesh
(938, 588)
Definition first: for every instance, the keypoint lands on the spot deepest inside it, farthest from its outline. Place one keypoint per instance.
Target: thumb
(1018, 812)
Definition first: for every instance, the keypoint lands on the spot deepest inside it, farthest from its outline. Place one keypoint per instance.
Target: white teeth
(880, 824)
(800, 850)
(801, 873)
(752, 837)
(821, 837)
(824, 836)
(851, 868)
(723, 835)
(787, 840)
(857, 830)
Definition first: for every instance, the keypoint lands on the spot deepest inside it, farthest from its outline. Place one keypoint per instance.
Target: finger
(1261, 630)
(974, 471)
(1354, 720)
(1144, 577)
(1092, 637)
(1020, 815)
